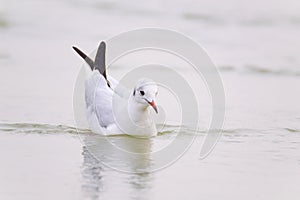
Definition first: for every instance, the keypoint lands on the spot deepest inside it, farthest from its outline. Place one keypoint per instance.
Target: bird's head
(145, 93)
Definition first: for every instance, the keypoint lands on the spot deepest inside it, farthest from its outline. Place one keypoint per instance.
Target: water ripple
(39, 128)
(35, 128)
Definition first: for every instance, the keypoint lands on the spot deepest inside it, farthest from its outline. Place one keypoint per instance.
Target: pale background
(256, 46)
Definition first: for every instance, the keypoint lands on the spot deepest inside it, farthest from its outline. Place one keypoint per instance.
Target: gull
(111, 109)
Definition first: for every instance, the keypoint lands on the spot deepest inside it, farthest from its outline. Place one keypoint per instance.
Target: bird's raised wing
(99, 91)
(99, 63)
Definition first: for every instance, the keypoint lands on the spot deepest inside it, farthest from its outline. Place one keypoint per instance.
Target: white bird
(110, 110)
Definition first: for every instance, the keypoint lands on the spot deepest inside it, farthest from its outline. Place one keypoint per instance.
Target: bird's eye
(142, 92)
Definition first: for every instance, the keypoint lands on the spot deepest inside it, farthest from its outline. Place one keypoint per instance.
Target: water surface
(254, 44)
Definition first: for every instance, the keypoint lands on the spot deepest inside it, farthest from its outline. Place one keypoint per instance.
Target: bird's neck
(139, 112)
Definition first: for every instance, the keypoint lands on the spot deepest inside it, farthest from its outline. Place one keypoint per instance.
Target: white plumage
(110, 111)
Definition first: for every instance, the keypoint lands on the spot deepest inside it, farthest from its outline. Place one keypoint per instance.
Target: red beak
(152, 103)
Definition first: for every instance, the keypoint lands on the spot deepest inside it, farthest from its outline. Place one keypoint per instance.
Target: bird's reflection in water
(91, 174)
(115, 166)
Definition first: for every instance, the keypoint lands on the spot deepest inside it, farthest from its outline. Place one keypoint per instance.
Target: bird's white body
(110, 108)
(113, 112)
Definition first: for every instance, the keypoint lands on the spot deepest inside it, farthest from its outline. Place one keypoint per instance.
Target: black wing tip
(102, 43)
(83, 55)
(75, 48)
(91, 63)
(88, 60)
(102, 46)
(100, 58)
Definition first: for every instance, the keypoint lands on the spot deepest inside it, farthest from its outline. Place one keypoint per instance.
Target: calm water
(255, 46)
